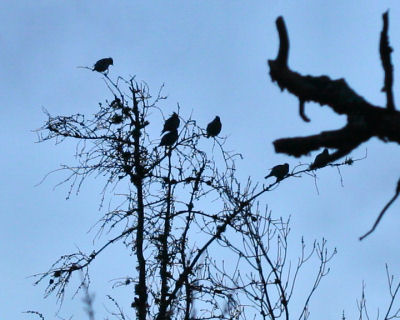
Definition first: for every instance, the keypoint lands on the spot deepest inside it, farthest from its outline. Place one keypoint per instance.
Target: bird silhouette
(279, 171)
(214, 127)
(169, 138)
(103, 64)
(172, 123)
(321, 160)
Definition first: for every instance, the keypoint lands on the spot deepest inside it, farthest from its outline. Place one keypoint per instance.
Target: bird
(321, 160)
(103, 64)
(169, 138)
(172, 123)
(279, 171)
(116, 103)
(214, 127)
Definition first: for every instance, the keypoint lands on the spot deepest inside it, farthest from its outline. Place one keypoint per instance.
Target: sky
(212, 57)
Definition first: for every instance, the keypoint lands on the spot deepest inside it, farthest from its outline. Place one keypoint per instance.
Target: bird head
(286, 166)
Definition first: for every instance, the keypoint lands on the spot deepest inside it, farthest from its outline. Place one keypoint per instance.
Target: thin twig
(382, 212)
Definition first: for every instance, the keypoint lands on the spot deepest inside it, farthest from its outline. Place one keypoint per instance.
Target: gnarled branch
(364, 120)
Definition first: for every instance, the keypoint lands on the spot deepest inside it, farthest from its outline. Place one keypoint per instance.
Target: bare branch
(364, 120)
(382, 213)
(385, 51)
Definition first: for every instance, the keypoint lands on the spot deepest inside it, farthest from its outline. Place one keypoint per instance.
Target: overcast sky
(212, 56)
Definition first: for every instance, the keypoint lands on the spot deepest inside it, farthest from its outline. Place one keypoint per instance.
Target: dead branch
(380, 216)
(385, 50)
(364, 120)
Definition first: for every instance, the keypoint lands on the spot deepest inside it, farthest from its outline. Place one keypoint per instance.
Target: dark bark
(364, 120)
(141, 289)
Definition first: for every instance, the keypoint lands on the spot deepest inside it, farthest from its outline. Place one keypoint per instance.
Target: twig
(382, 212)
(35, 312)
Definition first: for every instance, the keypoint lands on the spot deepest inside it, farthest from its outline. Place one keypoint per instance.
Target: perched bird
(103, 64)
(279, 171)
(172, 123)
(321, 160)
(214, 127)
(116, 103)
(117, 119)
(169, 138)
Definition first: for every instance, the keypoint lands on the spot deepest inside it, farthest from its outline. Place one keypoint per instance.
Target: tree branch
(346, 138)
(382, 212)
(364, 120)
(385, 50)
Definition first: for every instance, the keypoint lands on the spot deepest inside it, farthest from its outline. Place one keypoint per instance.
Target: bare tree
(203, 247)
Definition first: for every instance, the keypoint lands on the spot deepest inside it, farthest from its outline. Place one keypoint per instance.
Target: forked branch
(364, 120)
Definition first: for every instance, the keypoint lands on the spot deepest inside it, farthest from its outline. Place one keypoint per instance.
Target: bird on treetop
(172, 123)
(169, 138)
(280, 171)
(103, 64)
(214, 127)
(321, 160)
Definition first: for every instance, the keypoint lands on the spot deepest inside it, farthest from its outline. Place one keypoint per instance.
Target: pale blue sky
(212, 56)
